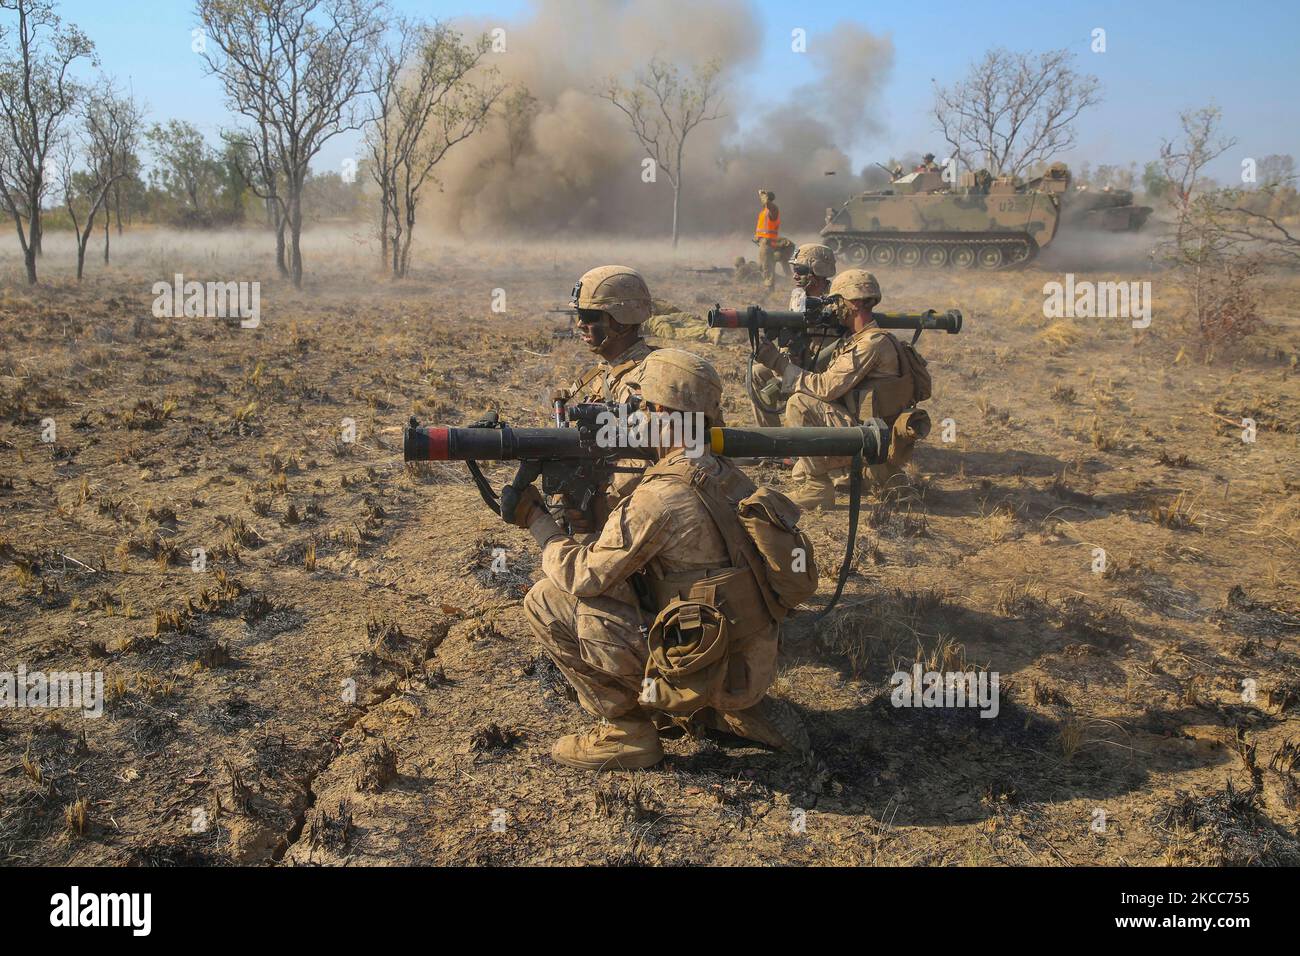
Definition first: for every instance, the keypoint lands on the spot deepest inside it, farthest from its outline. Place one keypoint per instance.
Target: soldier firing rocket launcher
(577, 461)
(820, 317)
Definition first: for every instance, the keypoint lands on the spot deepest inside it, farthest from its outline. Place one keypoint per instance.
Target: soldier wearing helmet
(864, 377)
(813, 266)
(596, 609)
(611, 302)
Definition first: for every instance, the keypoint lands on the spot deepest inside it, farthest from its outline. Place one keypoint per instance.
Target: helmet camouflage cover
(618, 290)
(818, 258)
(681, 381)
(854, 284)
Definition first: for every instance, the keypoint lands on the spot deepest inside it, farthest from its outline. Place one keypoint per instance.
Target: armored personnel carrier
(1102, 210)
(921, 220)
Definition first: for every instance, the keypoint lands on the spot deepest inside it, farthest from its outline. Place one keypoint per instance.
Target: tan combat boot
(814, 492)
(771, 721)
(625, 743)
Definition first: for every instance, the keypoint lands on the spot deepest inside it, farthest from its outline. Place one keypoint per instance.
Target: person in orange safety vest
(767, 234)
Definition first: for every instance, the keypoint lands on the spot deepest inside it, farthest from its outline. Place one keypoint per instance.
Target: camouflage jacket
(855, 366)
(605, 381)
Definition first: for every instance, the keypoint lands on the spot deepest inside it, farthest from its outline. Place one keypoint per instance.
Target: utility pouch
(687, 661)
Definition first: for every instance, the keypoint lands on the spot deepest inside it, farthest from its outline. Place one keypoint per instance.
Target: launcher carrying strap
(475, 472)
(484, 489)
(505, 503)
(855, 506)
(751, 317)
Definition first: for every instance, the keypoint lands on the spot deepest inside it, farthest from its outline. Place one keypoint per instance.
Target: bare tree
(36, 96)
(255, 164)
(1013, 110)
(113, 123)
(1210, 260)
(518, 109)
(663, 109)
(295, 68)
(434, 94)
(108, 121)
(1183, 163)
(386, 76)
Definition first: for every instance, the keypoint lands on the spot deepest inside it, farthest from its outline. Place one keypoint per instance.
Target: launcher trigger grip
(525, 476)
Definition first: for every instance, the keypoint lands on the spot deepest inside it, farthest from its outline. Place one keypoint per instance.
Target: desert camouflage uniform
(611, 381)
(846, 392)
(586, 614)
(814, 357)
(607, 380)
(745, 271)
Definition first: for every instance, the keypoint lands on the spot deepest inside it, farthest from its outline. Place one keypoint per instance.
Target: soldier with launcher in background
(869, 374)
(813, 266)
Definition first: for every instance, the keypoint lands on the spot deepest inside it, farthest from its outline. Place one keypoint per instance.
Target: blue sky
(1161, 57)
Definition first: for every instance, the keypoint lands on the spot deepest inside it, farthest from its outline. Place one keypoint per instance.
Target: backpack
(911, 362)
(760, 532)
(922, 383)
(770, 520)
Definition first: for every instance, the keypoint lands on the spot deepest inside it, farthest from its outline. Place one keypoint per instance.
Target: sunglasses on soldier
(801, 270)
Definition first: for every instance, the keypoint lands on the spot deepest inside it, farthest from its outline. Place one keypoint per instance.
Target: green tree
(186, 173)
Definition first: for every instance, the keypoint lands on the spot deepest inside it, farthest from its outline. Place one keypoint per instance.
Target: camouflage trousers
(770, 252)
(598, 643)
(762, 378)
(802, 410)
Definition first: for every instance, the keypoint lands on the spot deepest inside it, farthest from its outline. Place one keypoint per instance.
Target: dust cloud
(577, 167)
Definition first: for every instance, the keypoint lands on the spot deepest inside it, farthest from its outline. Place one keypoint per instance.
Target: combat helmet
(618, 290)
(857, 284)
(681, 381)
(819, 259)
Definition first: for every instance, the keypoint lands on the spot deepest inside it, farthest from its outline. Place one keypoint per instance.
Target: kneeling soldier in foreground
(670, 610)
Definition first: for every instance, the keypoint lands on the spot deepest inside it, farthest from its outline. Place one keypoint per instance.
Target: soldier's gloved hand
(578, 521)
(769, 356)
(529, 508)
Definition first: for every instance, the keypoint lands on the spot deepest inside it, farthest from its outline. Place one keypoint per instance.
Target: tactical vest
(885, 398)
(597, 383)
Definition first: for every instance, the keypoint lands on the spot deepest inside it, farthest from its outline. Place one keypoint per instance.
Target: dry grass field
(349, 681)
